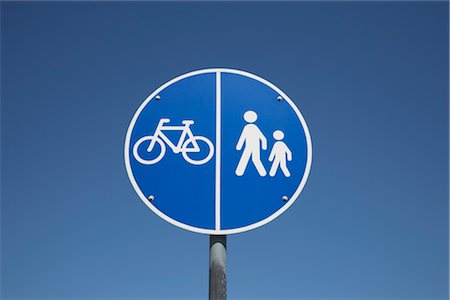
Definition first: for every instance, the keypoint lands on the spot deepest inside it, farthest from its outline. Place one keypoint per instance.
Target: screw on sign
(218, 151)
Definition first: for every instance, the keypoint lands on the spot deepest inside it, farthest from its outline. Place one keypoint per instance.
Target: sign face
(218, 151)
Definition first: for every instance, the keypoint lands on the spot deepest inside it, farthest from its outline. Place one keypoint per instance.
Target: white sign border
(212, 231)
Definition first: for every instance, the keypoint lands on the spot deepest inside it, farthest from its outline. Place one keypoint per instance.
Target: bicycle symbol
(188, 143)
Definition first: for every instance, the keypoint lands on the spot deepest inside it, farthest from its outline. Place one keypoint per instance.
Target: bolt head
(158, 97)
(279, 98)
(151, 198)
(284, 198)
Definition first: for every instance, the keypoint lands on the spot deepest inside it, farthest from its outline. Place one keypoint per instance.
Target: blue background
(250, 198)
(372, 80)
(182, 191)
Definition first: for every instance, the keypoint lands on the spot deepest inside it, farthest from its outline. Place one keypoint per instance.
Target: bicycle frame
(186, 131)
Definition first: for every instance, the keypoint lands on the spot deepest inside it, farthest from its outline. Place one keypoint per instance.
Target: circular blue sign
(218, 151)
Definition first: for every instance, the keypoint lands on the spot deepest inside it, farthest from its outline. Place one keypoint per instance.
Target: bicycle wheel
(149, 161)
(201, 145)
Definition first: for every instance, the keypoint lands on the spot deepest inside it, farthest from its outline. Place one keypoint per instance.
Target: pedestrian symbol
(279, 154)
(245, 151)
(254, 140)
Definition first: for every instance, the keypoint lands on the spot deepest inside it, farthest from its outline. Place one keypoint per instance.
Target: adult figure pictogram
(253, 140)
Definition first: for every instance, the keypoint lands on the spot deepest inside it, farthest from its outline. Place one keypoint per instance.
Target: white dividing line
(218, 146)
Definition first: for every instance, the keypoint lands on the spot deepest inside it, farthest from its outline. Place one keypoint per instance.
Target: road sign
(218, 151)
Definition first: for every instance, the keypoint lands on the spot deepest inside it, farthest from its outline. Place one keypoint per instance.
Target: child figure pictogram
(280, 152)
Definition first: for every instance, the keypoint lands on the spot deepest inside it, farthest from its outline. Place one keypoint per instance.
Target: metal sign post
(217, 267)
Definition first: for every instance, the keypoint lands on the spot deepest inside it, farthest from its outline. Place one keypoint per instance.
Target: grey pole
(217, 267)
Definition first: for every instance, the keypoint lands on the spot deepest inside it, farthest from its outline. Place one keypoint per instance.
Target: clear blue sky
(371, 79)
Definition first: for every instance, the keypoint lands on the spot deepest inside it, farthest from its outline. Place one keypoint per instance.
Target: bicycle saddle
(187, 122)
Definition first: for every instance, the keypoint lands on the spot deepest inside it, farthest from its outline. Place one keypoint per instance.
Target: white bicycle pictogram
(187, 143)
